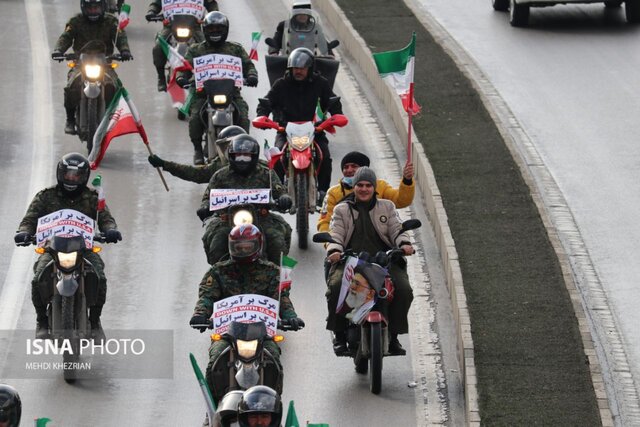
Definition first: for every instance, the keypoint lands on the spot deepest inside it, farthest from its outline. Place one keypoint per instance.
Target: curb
(357, 48)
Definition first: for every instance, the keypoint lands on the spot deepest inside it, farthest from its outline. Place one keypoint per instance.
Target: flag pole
(158, 169)
(410, 114)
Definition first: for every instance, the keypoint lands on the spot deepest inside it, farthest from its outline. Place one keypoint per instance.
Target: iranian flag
(272, 154)
(177, 63)
(286, 266)
(123, 16)
(121, 118)
(255, 38)
(396, 68)
(97, 184)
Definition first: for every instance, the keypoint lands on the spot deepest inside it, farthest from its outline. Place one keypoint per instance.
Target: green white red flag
(255, 38)
(272, 154)
(97, 184)
(396, 68)
(121, 118)
(177, 63)
(286, 266)
(123, 16)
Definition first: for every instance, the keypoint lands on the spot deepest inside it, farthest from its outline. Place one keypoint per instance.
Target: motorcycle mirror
(323, 238)
(271, 42)
(333, 44)
(411, 224)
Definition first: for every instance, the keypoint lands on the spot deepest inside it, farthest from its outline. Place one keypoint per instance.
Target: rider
(362, 222)
(159, 58)
(293, 98)
(93, 24)
(300, 20)
(260, 407)
(244, 273)
(70, 193)
(201, 174)
(10, 406)
(216, 29)
(245, 172)
(401, 196)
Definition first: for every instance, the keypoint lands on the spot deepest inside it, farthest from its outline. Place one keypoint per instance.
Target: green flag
(206, 393)
(41, 422)
(317, 425)
(292, 419)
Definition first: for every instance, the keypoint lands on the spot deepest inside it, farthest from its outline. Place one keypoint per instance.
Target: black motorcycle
(368, 334)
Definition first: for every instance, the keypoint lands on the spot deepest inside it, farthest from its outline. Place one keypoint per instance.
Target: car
(519, 9)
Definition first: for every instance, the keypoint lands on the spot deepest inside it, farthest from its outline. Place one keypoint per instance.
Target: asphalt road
(153, 273)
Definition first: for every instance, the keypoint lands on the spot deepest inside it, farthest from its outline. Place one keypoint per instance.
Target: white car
(519, 9)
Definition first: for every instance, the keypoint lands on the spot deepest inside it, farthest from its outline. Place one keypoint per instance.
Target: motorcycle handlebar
(156, 18)
(74, 57)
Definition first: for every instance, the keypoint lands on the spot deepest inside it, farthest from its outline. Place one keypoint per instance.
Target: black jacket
(296, 101)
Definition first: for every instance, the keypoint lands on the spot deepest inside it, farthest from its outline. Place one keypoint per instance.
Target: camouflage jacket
(156, 6)
(79, 31)
(258, 178)
(229, 278)
(53, 199)
(198, 174)
(228, 48)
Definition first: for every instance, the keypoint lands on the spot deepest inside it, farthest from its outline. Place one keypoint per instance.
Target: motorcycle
(367, 333)
(70, 284)
(301, 158)
(92, 63)
(245, 362)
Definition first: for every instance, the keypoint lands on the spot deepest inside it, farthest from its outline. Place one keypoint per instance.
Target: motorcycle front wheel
(92, 122)
(302, 209)
(68, 327)
(375, 359)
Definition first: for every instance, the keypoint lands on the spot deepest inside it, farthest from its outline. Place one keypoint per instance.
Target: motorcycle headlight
(183, 33)
(67, 260)
(220, 99)
(247, 349)
(242, 217)
(300, 142)
(92, 71)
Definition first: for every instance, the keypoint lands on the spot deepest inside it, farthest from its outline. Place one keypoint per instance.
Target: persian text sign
(183, 7)
(221, 198)
(217, 66)
(246, 308)
(67, 223)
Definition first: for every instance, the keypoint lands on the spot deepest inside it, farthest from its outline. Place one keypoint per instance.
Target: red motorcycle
(301, 157)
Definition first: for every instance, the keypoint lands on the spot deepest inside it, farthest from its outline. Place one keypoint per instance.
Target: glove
(251, 80)
(22, 238)
(295, 323)
(199, 319)
(149, 16)
(112, 236)
(284, 203)
(125, 55)
(204, 213)
(156, 161)
(182, 81)
(56, 54)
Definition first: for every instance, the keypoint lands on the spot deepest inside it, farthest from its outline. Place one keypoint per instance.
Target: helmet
(243, 153)
(227, 411)
(258, 400)
(301, 4)
(245, 243)
(73, 172)
(224, 137)
(302, 21)
(93, 10)
(300, 58)
(10, 406)
(215, 27)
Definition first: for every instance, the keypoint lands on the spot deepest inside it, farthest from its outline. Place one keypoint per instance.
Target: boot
(42, 324)
(198, 155)
(70, 125)
(97, 333)
(395, 348)
(162, 83)
(340, 343)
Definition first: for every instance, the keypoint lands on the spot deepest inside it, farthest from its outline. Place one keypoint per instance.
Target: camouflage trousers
(196, 125)
(159, 58)
(276, 232)
(37, 291)
(397, 310)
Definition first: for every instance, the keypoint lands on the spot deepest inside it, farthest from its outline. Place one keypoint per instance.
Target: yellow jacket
(401, 197)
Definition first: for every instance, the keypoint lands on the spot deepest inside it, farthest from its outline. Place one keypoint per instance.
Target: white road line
(18, 277)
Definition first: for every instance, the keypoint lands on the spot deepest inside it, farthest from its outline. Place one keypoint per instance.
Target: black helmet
(73, 172)
(259, 400)
(227, 411)
(93, 10)
(215, 27)
(230, 131)
(243, 153)
(10, 406)
(224, 137)
(300, 58)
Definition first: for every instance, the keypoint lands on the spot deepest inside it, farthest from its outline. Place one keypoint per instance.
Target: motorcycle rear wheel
(375, 359)
(302, 209)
